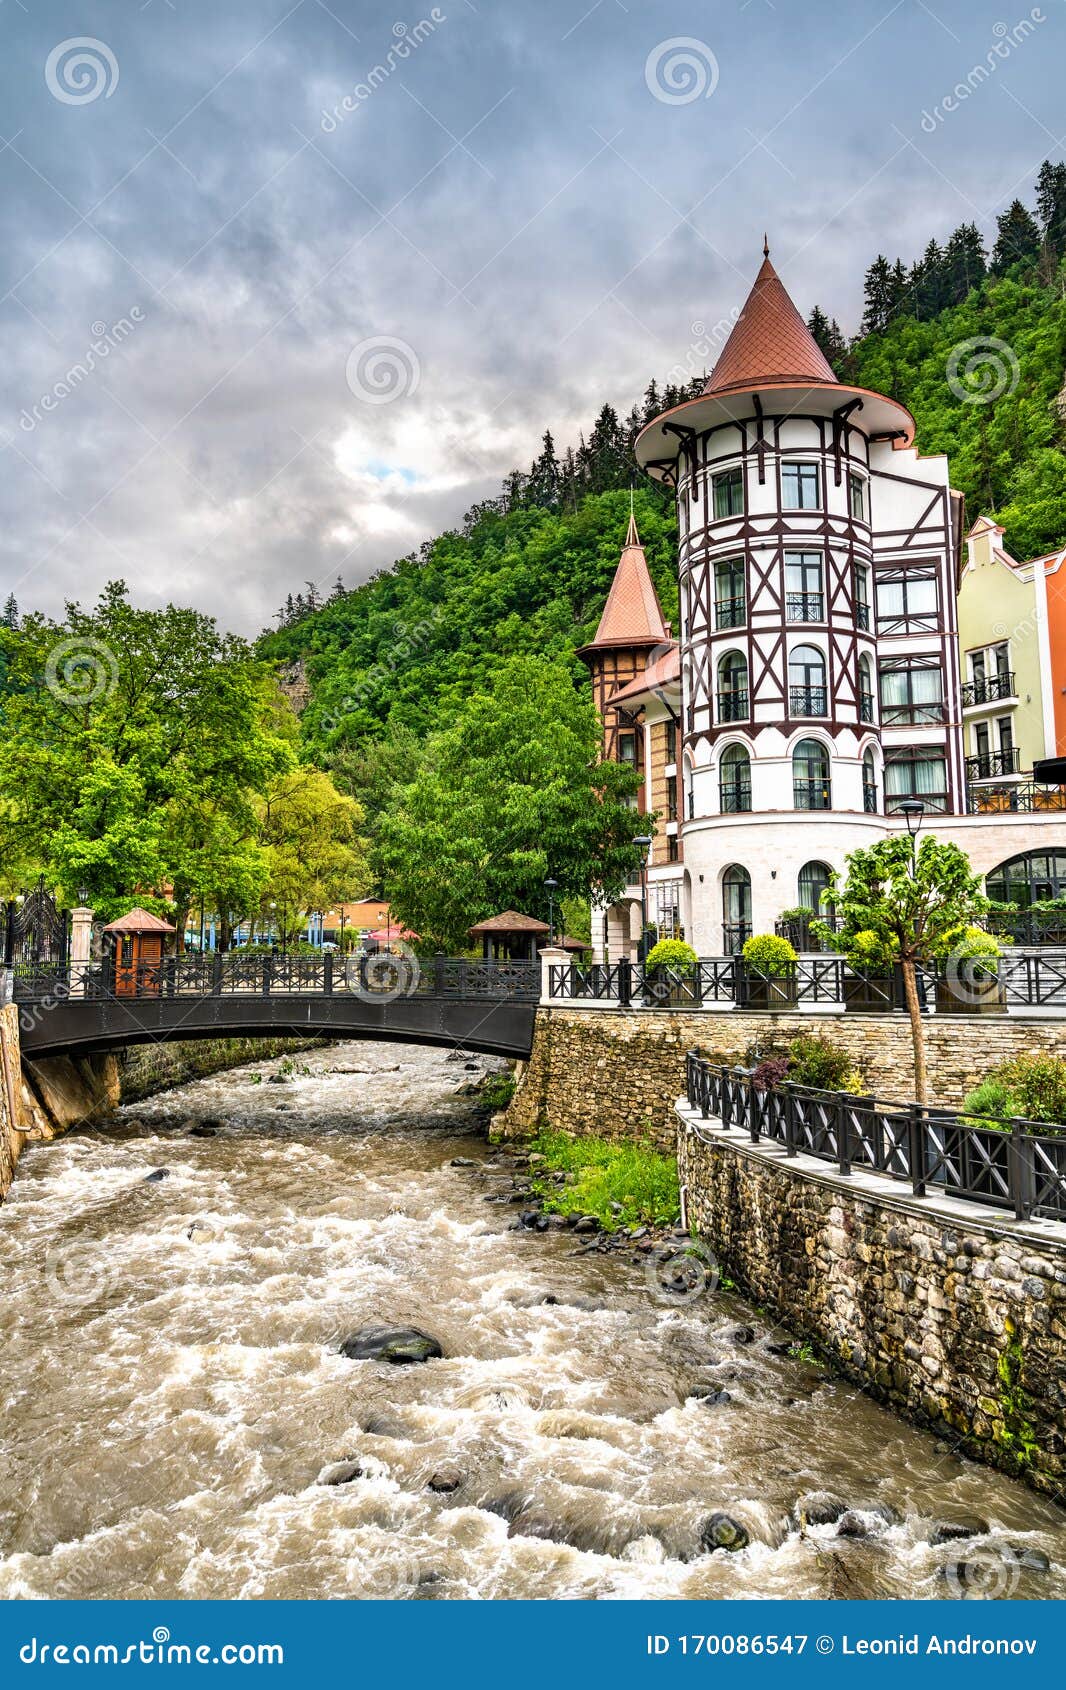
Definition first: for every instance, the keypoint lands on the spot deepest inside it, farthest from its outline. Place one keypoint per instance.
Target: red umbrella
(385, 935)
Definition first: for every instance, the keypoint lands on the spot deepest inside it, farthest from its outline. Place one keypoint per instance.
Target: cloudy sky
(342, 264)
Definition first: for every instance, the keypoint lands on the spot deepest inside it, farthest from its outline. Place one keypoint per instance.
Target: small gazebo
(139, 941)
(510, 936)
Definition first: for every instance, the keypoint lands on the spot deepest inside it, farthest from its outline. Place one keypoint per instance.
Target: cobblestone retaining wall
(616, 1072)
(955, 1320)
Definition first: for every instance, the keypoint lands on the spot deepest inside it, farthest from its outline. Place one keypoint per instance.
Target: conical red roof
(770, 342)
(632, 615)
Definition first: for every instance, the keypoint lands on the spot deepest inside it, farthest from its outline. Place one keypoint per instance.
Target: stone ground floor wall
(617, 1073)
(956, 1320)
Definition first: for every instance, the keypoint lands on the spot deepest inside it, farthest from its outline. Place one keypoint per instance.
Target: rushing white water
(172, 1387)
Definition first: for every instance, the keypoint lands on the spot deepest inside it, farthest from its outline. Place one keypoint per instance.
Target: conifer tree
(1017, 239)
(1051, 205)
(964, 263)
(877, 293)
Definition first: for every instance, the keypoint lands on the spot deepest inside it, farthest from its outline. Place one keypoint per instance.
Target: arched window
(732, 688)
(806, 682)
(1028, 879)
(736, 908)
(814, 879)
(734, 780)
(869, 783)
(866, 690)
(810, 776)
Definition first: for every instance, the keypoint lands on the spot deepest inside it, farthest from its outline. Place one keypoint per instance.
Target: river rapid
(172, 1391)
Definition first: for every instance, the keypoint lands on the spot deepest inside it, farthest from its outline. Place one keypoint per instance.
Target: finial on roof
(766, 246)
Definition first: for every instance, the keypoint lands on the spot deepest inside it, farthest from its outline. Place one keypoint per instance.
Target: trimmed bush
(1032, 1088)
(973, 948)
(672, 953)
(815, 1060)
(769, 953)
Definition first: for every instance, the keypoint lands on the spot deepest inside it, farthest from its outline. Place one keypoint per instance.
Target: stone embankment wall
(616, 1073)
(146, 1069)
(955, 1319)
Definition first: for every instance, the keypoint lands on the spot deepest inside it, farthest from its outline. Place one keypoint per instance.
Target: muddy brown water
(171, 1387)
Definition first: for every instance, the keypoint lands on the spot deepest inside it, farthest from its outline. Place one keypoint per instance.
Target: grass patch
(637, 1177)
(496, 1092)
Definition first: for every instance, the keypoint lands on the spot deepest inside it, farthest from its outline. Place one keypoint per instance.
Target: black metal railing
(988, 691)
(808, 701)
(869, 797)
(230, 973)
(913, 713)
(1025, 797)
(989, 765)
(862, 616)
(630, 983)
(1019, 1166)
(734, 797)
(812, 795)
(730, 612)
(866, 707)
(733, 705)
(803, 607)
(735, 935)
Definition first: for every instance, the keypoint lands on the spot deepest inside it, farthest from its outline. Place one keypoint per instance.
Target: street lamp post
(550, 887)
(644, 842)
(912, 810)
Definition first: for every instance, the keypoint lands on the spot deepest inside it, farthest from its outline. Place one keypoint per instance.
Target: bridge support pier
(13, 1117)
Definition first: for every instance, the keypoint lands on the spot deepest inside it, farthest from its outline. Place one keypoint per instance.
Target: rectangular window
(799, 487)
(803, 587)
(730, 609)
(673, 848)
(912, 694)
(857, 497)
(728, 493)
(627, 748)
(671, 798)
(862, 597)
(671, 741)
(916, 773)
(906, 602)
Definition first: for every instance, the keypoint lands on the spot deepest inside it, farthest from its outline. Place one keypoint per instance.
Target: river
(172, 1388)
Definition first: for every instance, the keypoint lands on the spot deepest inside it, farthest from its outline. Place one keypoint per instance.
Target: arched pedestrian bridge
(84, 1010)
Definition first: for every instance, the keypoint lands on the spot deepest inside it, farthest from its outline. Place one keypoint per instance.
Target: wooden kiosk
(139, 942)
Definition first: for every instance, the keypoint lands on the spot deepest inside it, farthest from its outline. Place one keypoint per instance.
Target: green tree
(314, 857)
(509, 793)
(116, 722)
(1017, 239)
(878, 295)
(965, 263)
(1051, 205)
(909, 904)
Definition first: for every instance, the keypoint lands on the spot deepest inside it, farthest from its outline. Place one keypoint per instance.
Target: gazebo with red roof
(510, 935)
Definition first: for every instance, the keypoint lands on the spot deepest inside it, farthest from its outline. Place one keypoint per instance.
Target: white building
(815, 688)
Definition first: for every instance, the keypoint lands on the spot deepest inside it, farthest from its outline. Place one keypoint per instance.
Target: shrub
(672, 953)
(973, 946)
(770, 1072)
(815, 1060)
(769, 954)
(1030, 1087)
(801, 913)
(637, 1177)
(871, 953)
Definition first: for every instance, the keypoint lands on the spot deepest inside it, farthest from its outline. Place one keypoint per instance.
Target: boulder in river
(203, 1129)
(401, 1345)
(951, 1531)
(445, 1480)
(721, 1531)
(341, 1473)
(743, 1334)
(820, 1508)
(156, 1175)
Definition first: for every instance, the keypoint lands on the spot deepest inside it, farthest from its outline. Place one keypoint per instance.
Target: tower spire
(766, 245)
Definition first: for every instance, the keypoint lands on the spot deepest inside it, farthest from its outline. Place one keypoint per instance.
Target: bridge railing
(380, 978)
(1016, 1164)
(1030, 982)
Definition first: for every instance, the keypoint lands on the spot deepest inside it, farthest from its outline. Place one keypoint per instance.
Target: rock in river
(401, 1345)
(820, 1508)
(721, 1531)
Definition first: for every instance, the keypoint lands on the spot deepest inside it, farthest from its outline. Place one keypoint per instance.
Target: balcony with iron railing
(808, 701)
(812, 795)
(991, 690)
(993, 765)
(866, 707)
(804, 607)
(869, 797)
(862, 616)
(1021, 797)
(733, 705)
(730, 612)
(735, 935)
(734, 797)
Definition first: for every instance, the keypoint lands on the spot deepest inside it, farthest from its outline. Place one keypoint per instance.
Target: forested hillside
(974, 344)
